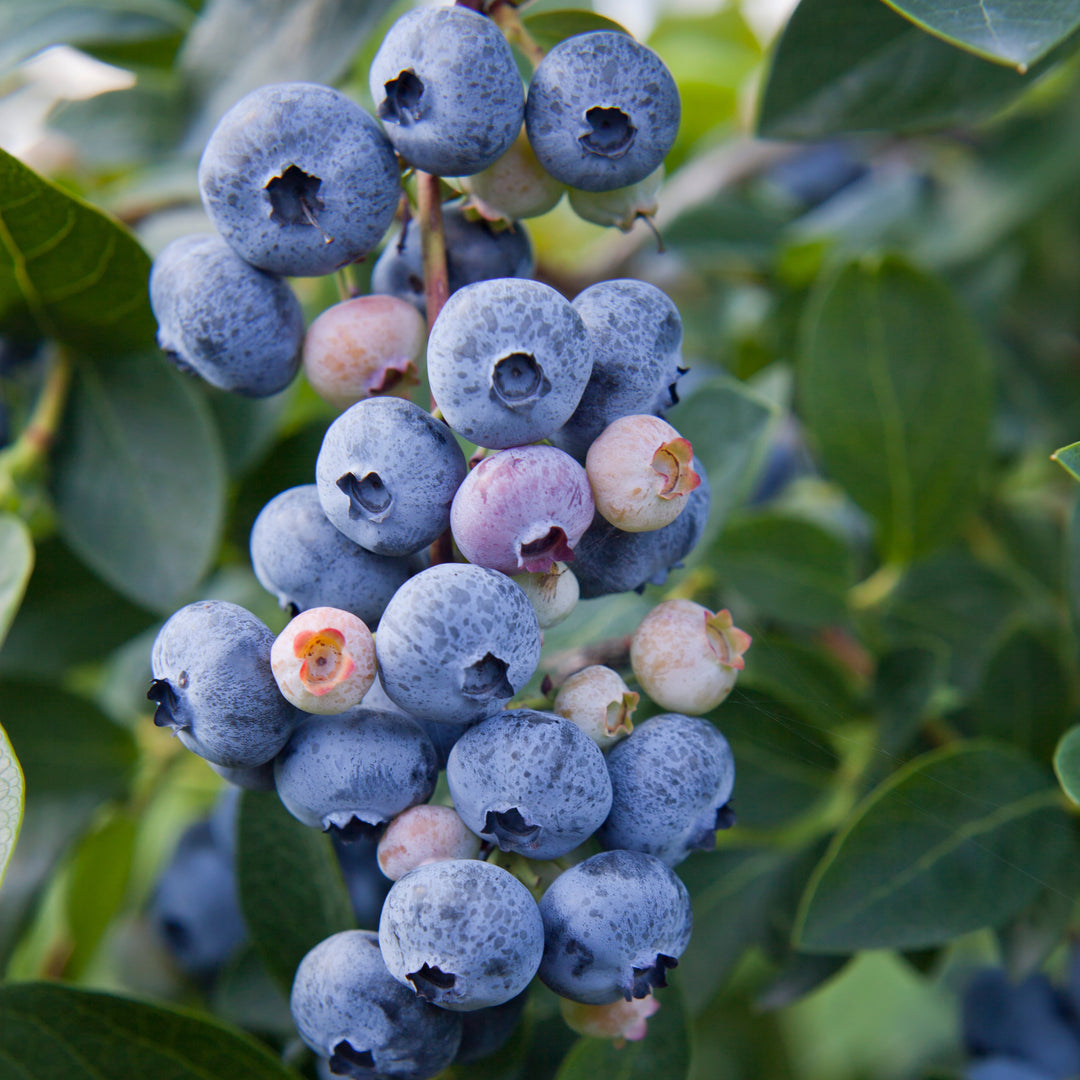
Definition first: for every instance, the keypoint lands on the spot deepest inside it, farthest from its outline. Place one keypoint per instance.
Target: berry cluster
(458, 570)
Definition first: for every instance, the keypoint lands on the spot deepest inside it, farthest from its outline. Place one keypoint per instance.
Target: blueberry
(456, 643)
(194, 908)
(238, 328)
(348, 1009)
(530, 782)
(636, 336)
(671, 779)
(447, 90)
(213, 685)
(299, 180)
(613, 926)
(475, 251)
(1006, 1068)
(484, 1031)
(463, 934)
(305, 562)
(442, 735)
(386, 475)
(367, 885)
(354, 771)
(254, 778)
(602, 111)
(508, 361)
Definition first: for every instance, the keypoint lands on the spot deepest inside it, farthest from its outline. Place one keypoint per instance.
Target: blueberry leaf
(1068, 457)
(67, 271)
(548, 28)
(16, 563)
(1067, 763)
(12, 800)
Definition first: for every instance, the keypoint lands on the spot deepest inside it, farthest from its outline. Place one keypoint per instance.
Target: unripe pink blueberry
(687, 658)
(516, 186)
(424, 834)
(324, 660)
(553, 593)
(640, 470)
(599, 702)
(363, 347)
(621, 1020)
(522, 509)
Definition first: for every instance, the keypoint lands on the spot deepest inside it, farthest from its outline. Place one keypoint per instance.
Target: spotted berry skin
(530, 782)
(354, 771)
(508, 360)
(671, 781)
(522, 510)
(299, 180)
(463, 934)
(386, 474)
(349, 1010)
(447, 90)
(613, 926)
(442, 736)
(214, 687)
(602, 111)
(456, 643)
(236, 327)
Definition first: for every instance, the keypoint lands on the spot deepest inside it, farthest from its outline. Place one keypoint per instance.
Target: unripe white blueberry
(363, 347)
(553, 593)
(324, 660)
(640, 471)
(424, 834)
(599, 702)
(514, 187)
(686, 657)
(621, 207)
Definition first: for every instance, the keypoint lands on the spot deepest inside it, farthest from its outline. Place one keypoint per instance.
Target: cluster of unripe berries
(579, 489)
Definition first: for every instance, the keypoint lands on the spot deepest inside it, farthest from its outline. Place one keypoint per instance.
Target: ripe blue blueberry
(613, 926)
(447, 90)
(213, 685)
(442, 736)
(353, 771)
(299, 180)
(602, 111)
(484, 1031)
(671, 779)
(456, 643)
(305, 562)
(508, 360)
(1006, 1068)
(349, 1010)
(387, 473)
(255, 778)
(238, 328)
(475, 251)
(367, 886)
(463, 934)
(529, 782)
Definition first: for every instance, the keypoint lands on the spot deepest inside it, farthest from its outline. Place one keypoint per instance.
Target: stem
(877, 588)
(432, 245)
(505, 16)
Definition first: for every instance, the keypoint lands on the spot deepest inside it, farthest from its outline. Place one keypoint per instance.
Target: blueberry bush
(780, 779)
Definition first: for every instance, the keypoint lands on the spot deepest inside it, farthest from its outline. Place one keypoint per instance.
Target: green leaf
(55, 1031)
(140, 479)
(66, 270)
(896, 381)
(12, 801)
(664, 1052)
(904, 684)
(245, 995)
(1067, 763)
(1068, 457)
(548, 28)
(16, 564)
(959, 839)
(855, 65)
(787, 567)
(292, 893)
(1024, 697)
(1014, 32)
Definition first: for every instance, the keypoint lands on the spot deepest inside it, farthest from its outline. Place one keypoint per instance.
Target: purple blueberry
(386, 475)
(447, 90)
(213, 685)
(236, 327)
(508, 360)
(456, 643)
(613, 926)
(529, 782)
(602, 111)
(299, 180)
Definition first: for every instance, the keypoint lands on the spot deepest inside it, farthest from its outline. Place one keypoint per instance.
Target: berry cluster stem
(432, 245)
(506, 17)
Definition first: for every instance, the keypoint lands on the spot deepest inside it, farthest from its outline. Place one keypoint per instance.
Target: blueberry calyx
(369, 497)
(347, 1061)
(428, 981)
(294, 199)
(487, 679)
(517, 380)
(651, 978)
(348, 826)
(402, 102)
(161, 691)
(510, 829)
(725, 816)
(539, 555)
(612, 133)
